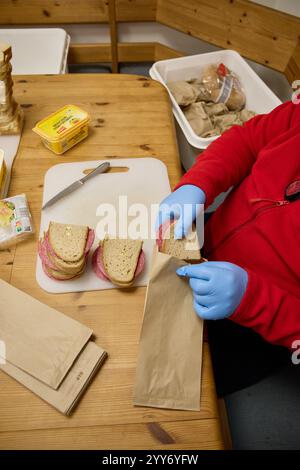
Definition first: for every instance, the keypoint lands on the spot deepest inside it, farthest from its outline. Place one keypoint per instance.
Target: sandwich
(64, 250)
(119, 260)
(187, 249)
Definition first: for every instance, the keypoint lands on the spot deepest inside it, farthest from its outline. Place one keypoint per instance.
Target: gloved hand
(218, 287)
(183, 205)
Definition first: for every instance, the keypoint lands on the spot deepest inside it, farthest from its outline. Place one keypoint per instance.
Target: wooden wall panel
(136, 52)
(136, 10)
(89, 53)
(127, 52)
(52, 11)
(163, 52)
(16, 12)
(259, 33)
(97, 53)
(292, 71)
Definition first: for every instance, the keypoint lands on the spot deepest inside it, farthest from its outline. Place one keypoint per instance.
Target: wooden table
(130, 116)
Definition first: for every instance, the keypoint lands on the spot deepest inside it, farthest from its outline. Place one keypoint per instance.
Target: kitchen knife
(77, 184)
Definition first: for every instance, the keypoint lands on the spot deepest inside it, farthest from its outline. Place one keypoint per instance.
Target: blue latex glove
(182, 204)
(218, 287)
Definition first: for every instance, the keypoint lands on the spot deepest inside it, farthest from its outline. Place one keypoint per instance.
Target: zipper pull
(282, 203)
(272, 201)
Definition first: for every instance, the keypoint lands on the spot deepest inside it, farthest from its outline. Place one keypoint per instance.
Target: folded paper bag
(73, 386)
(39, 340)
(170, 352)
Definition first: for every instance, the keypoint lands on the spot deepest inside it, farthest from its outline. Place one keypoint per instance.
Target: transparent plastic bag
(15, 221)
(224, 86)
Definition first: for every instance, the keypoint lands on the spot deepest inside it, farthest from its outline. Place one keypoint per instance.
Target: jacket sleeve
(270, 311)
(229, 159)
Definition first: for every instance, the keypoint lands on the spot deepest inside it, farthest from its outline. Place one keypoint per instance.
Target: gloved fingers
(202, 300)
(185, 222)
(206, 313)
(205, 300)
(198, 271)
(199, 286)
(162, 217)
(202, 311)
(166, 213)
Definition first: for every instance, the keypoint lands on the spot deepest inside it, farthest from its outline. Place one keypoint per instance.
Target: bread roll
(183, 92)
(199, 120)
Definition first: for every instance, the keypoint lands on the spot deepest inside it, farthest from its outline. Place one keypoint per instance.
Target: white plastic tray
(259, 97)
(37, 50)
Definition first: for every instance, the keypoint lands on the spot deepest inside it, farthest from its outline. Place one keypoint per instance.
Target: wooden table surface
(130, 116)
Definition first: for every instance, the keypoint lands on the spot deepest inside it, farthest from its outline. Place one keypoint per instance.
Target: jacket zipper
(272, 204)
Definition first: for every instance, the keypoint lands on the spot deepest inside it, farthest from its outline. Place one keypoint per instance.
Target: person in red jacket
(252, 241)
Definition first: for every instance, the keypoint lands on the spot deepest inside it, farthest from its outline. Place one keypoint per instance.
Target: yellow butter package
(63, 129)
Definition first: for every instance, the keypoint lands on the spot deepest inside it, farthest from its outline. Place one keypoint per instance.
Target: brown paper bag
(39, 340)
(75, 383)
(170, 351)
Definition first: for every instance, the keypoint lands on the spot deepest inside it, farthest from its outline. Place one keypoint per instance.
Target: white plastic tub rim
(259, 97)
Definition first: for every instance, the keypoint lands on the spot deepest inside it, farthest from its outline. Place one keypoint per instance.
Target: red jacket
(256, 227)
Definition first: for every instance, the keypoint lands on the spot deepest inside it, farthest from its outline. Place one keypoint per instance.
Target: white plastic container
(37, 50)
(259, 97)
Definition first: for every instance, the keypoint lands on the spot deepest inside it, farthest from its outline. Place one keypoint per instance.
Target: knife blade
(77, 184)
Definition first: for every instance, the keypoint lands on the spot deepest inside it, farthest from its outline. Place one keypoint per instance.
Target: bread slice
(68, 241)
(186, 249)
(67, 267)
(120, 258)
(59, 276)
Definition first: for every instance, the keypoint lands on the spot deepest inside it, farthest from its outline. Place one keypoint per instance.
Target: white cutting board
(145, 182)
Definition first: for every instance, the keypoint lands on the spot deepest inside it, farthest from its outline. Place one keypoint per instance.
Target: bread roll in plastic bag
(210, 78)
(224, 86)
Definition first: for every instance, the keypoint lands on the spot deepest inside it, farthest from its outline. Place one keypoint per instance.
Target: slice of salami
(42, 251)
(89, 241)
(97, 265)
(140, 264)
(161, 233)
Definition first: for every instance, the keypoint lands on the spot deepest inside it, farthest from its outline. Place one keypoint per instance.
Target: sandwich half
(119, 261)
(187, 249)
(64, 250)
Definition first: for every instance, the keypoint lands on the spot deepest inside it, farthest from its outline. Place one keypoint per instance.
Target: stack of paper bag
(48, 352)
